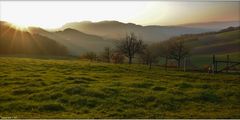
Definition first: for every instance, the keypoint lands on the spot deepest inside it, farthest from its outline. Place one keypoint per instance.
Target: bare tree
(164, 51)
(130, 46)
(90, 56)
(178, 50)
(107, 54)
(117, 57)
(149, 56)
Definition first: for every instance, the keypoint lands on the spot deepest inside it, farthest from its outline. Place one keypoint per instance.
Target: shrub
(106, 54)
(90, 56)
(117, 58)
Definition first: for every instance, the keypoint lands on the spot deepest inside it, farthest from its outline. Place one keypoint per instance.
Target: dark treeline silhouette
(17, 41)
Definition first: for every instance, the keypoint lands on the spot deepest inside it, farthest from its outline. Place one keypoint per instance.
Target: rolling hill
(77, 42)
(117, 30)
(85, 41)
(16, 41)
(222, 43)
(82, 37)
(216, 43)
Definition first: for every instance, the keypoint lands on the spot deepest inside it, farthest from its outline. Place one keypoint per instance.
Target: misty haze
(119, 59)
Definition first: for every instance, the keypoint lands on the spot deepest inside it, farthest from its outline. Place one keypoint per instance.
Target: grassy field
(201, 61)
(45, 88)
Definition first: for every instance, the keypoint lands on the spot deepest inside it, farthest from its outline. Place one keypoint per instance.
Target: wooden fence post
(213, 64)
(184, 64)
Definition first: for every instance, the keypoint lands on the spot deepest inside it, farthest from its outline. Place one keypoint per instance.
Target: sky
(54, 14)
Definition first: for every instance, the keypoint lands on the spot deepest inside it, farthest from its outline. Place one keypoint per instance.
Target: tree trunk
(179, 63)
(150, 65)
(109, 59)
(130, 60)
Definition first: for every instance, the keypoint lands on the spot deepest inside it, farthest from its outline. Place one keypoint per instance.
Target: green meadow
(72, 88)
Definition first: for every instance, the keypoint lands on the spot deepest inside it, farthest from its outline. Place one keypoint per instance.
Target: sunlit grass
(44, 88)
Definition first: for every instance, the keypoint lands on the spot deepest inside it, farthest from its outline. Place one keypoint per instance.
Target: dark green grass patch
(81, 102)
(51, 107)
(208, 96)
(159, 88)
(184, 85)
(22, 91)
(142, 85)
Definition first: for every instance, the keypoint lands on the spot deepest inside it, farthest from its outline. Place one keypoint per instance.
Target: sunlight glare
(19, 26)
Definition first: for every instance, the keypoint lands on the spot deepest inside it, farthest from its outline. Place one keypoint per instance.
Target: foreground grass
(38, 88)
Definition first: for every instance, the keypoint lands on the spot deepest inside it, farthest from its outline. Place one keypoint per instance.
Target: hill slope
(77, 42)
(217, 43)
(85, 41)
(16, 41)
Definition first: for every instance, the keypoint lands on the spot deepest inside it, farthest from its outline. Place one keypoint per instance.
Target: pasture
(71, 88)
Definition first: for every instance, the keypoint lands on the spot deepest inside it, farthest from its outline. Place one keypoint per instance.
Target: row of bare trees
(109, 55)
(132, 46)
(175, 48)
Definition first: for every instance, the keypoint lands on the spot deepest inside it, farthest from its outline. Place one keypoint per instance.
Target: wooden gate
(229, 65)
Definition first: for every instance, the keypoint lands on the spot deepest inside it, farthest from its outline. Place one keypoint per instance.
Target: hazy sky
(52, 14)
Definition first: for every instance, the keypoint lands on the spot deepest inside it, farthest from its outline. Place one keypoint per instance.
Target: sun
(19, 26)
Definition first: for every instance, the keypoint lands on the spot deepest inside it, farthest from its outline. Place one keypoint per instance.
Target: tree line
(132, 47)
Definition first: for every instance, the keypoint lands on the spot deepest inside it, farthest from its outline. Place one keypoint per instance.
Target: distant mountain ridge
(150, 33)
(77, 42)
(117, 30)
(213, 26)
(86, 36)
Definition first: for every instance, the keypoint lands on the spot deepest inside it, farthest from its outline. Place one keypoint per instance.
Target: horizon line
(184, 24)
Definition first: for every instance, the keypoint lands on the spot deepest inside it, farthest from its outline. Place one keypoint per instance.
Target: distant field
(201, 60)
(221, 43)
(45, 88)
